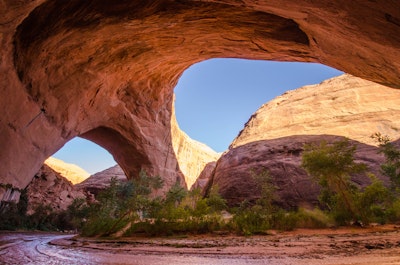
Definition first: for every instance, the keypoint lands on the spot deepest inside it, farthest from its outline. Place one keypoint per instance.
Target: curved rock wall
(105, 70)
(346, 105)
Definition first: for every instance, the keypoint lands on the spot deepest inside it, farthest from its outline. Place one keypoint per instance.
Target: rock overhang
(106, 70)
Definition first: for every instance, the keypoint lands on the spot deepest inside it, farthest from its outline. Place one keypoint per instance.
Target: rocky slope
(344, 106)
(106, 71)
(71, 172)
(48, 187)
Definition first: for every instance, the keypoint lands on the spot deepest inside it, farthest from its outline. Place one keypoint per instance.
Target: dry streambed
(378, 245)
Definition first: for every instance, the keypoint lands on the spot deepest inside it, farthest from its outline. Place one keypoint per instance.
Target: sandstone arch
(76, 67)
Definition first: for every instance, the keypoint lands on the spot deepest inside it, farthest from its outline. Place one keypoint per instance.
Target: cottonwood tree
(331, 165)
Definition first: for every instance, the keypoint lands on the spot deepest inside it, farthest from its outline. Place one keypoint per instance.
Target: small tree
(331, 165)
(121, 204)
(391, 167)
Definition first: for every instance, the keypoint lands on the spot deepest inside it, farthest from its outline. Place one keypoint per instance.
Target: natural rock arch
(106, 70)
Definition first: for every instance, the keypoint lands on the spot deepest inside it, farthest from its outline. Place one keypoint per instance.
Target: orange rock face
(105, 70)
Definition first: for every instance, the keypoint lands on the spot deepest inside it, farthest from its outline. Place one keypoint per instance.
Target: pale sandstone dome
(346, 106)
(106, 70)
(71, 172)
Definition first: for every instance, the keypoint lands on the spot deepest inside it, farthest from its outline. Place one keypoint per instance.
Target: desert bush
(315, 218)
(120, 204)
(250, 220)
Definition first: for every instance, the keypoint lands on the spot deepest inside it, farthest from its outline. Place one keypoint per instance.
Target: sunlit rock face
(105, 70)
(192, 155)
(71, 172)
(273, 138)
(345, 105)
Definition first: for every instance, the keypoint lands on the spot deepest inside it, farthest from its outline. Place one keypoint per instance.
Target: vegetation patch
(130, 209)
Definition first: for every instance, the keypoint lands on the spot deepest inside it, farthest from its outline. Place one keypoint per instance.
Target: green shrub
(249, 221)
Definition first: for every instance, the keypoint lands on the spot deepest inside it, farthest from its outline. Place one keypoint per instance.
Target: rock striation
(106, 71)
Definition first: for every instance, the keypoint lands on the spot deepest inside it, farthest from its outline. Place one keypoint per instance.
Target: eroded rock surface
(106, 71)
(48, 187)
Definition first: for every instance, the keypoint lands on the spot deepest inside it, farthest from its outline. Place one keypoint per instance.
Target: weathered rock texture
(48, 187)
(105, 70)
(345, 105)
(71, 172)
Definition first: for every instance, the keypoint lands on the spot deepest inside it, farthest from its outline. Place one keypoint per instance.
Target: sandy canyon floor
(378, 245)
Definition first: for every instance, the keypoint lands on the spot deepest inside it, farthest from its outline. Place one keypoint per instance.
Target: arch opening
(86, 154)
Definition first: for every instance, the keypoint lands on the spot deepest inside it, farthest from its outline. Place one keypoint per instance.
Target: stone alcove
(106, 70)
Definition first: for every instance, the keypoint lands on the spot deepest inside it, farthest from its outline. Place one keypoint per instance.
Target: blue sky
(214, 99)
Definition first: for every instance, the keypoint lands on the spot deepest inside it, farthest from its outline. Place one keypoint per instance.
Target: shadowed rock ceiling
(105, 70)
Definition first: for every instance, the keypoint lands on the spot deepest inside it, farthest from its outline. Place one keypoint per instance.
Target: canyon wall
(105, 70)
(192, 157)
(273, 138)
